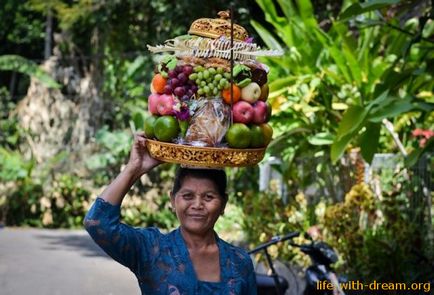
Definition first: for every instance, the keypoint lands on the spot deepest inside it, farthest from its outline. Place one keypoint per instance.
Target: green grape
(206, 89)
(200, 75)
(211, 86)
(218, 77)
(198, 81)
(197, 69)
(206, 74)
(227, 75)
(220, 70)
(227, 84)
(200, 91)
(215, 91)
(192, 76)
(202, 83)
(212, 71)
(222, 82)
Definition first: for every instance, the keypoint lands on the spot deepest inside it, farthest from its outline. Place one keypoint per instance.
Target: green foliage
(381, 237)
(35, 198)
(22, 30)
(13, 167)
(113, 150)
(338, 79)
(66, 204)
(361, 67)
(10, 132)
(28, 67)
(125, 85)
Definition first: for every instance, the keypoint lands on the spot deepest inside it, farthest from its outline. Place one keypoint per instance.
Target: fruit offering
(202, 99)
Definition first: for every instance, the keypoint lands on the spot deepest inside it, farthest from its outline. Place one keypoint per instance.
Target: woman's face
(198, 205)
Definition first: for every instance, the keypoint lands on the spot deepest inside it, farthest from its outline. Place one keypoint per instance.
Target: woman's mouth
(196, 216)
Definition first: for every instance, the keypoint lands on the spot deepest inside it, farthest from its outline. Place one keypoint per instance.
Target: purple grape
(194, 88)
(167, 89)
(191, 82)
(178, 69)
(179, 91)
(190, 92)
(172, 74)
(182, 78)
(174, 82)
(185, 97)
(187, 70)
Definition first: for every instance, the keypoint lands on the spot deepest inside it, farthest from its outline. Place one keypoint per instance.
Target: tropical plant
(337, 87)
(360, 79)
(22, 65)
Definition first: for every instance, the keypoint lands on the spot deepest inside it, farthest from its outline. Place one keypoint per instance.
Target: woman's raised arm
(140, 162)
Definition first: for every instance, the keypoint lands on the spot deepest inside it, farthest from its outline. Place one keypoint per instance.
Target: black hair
(215, 175)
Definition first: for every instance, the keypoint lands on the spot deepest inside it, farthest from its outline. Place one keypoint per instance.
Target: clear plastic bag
(209, 124)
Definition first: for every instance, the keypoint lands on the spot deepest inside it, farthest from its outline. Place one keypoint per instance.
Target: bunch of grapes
(179, 84)
(210, 81)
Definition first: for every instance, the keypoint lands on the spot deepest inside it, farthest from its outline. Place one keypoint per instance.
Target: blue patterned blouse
(161, 262)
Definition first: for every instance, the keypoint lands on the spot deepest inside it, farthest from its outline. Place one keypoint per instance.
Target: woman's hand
(140, 161)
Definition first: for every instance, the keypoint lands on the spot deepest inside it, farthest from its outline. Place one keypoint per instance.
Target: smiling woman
(192, 259)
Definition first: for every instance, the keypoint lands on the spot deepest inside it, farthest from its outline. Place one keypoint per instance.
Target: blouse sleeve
(251, 279)
(123, 243)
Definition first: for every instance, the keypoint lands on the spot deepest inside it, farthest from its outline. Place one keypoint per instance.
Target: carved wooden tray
(207, 157)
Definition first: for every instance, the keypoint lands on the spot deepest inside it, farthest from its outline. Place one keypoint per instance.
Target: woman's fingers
(140, 138)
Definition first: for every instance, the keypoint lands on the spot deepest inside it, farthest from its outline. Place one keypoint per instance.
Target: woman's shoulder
(155, 233)
(150, 232)
(236, 252)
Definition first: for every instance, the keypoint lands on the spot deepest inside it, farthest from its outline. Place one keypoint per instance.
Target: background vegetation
(356, 79)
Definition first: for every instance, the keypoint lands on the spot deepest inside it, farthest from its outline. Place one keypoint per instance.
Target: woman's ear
(172, 202)
(225, 200)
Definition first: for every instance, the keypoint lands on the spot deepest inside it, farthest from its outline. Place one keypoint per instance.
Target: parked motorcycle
(318, 276)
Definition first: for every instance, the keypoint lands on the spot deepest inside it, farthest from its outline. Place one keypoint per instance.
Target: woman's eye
(209, 197)
(187, 196)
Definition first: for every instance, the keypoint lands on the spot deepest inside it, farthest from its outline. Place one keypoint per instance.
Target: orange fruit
(158, 83)
(226, 94)
(268, 133)
(257, 136)
(166, 128)
(238, 136)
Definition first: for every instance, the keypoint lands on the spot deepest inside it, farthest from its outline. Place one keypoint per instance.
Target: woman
(189, 260)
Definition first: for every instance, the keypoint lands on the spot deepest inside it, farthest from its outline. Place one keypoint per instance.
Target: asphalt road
(58, 262)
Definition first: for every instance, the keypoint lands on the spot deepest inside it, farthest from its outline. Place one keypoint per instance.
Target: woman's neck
(198, 241)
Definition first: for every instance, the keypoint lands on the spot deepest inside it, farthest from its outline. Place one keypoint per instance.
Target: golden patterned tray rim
(206, 157)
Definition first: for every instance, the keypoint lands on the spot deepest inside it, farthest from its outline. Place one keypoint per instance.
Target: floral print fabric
(161, 262)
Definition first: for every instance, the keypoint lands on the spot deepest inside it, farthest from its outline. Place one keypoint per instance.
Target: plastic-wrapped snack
(209, 124)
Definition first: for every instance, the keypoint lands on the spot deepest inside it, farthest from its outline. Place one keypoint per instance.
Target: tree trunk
(64, 119)
(48, 34)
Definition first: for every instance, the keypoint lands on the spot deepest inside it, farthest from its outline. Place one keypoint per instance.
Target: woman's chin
(195, 226)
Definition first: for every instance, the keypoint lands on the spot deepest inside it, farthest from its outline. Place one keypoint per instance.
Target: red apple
(251, 92)
(165, 104)
(264, 92)
(152, 103)
(269, 111)
(242, 112)
(259, 112)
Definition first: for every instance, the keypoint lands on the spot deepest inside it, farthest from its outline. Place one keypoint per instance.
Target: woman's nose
(198, 202)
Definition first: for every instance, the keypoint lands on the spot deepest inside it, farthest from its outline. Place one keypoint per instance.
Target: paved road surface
(58, 262)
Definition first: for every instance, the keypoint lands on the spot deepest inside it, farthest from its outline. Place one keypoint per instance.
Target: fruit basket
(206, 157)
(208, 104)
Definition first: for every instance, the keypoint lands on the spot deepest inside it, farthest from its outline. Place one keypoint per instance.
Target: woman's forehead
(194, 183)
